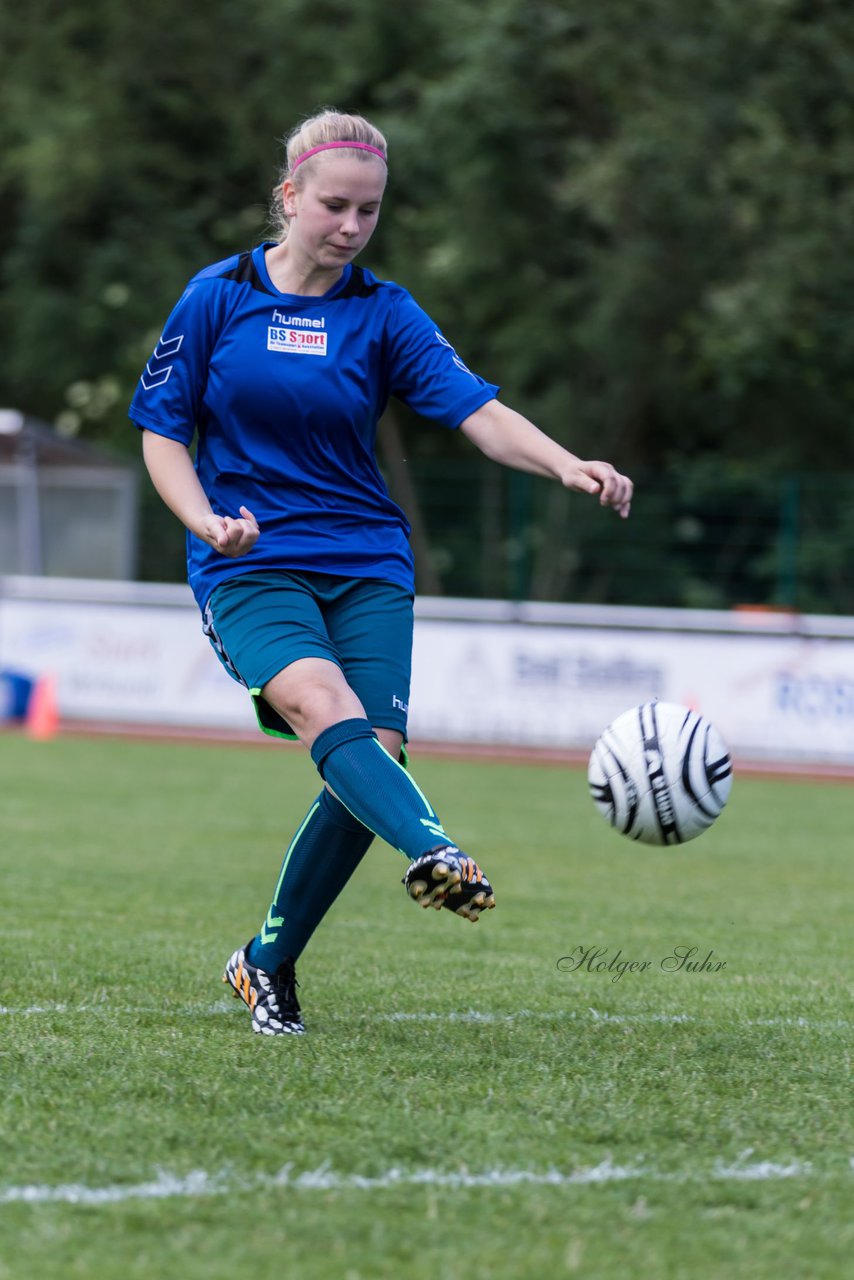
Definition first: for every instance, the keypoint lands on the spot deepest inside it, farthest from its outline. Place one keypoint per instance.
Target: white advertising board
(771, 696)
(133, 661)
(483, 672)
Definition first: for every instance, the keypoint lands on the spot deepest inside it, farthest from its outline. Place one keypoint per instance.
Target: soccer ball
(660, 773)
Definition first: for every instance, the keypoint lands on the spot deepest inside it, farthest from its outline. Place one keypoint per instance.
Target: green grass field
(462, 1106)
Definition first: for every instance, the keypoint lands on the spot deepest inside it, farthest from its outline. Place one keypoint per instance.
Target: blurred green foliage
(633, 215)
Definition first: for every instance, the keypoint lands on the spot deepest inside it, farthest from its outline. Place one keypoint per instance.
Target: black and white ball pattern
(660, 773)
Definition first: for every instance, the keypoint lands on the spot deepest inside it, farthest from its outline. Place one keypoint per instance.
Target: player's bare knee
(312, 705)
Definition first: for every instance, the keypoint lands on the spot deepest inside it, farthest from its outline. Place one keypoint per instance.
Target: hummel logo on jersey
(157, 371)
(298, 322)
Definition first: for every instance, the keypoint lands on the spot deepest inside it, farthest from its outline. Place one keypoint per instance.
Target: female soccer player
(280, 362)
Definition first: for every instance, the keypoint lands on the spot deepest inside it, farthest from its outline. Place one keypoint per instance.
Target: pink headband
(328, 146)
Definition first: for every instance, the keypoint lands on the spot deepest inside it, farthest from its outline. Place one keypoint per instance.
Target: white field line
(168, 1186)
(465, 1015)
(595, 1015)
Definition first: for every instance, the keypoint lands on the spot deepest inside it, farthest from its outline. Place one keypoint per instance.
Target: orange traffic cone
(42, 720)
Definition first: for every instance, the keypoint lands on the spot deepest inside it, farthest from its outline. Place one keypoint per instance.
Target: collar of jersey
(296, 299)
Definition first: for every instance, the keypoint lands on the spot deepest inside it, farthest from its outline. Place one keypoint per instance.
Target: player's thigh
(262, 622)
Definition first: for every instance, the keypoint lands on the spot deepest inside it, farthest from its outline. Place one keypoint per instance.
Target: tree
(632, 215)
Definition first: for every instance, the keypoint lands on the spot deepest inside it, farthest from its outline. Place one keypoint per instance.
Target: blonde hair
(316, 131)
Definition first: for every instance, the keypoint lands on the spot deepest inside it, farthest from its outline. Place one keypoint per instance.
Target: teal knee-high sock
(376, 789)
(320, 859)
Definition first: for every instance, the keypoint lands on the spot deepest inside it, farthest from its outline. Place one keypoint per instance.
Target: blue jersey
(285, 393)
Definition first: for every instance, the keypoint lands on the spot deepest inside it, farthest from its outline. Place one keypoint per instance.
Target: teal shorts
(259, 623)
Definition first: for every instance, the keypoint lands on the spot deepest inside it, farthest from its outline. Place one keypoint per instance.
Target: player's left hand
(614, 490)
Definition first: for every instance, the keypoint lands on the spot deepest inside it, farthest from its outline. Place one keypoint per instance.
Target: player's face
(335, 211)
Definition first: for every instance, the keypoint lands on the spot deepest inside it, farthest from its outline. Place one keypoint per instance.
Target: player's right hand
(231, 537)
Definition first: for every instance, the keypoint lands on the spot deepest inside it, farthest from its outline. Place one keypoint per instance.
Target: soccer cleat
(270, 997)
(473, 894)
(445, 877)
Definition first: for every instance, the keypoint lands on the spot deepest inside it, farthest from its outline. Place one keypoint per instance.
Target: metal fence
(694, 540)
(66, 510)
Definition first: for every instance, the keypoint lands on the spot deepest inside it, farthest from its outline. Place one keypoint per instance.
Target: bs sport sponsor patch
(297, 334)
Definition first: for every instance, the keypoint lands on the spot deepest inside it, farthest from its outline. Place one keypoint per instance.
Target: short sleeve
(425, 371)
(169, 393)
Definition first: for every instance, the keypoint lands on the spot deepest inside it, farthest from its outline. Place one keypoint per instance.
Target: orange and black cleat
(271, 998)
(445, 877)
